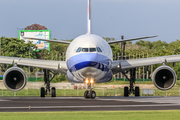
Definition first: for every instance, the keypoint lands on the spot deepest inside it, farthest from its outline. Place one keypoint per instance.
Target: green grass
(124, 82)
(127, 82)
(93, 115)
(65, 92)
(175, 91)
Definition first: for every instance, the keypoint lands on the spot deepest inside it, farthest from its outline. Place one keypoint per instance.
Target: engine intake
(15, 79)
(164, 77)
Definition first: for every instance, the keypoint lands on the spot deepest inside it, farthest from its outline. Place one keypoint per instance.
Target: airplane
(89, 59)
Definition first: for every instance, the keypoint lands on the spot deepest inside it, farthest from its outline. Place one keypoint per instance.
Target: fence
(142, 73)
(124, 79)
(32, 79)
(80, 92)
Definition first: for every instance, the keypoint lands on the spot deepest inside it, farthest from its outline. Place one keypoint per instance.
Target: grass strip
(175, 91)
(93, 115)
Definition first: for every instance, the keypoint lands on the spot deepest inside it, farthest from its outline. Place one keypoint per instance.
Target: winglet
(88, 16)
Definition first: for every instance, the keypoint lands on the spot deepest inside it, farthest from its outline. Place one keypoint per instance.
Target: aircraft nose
(90, 57)
(87, 60)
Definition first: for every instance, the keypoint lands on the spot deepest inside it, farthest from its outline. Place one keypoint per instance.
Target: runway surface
(30, 104)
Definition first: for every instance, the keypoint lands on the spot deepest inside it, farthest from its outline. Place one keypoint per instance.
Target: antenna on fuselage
(88, 16)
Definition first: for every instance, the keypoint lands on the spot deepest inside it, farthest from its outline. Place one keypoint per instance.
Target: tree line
(14, 47)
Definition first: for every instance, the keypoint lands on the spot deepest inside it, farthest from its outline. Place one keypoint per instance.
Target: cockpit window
(79, 49)
(84, 49)
(92, 49)
(99, 49)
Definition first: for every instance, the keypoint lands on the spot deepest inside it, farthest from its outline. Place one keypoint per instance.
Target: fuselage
(89, 57)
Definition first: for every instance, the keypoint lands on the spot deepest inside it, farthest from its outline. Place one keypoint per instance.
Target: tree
(146, 44)
(35, 27)
(14, 47)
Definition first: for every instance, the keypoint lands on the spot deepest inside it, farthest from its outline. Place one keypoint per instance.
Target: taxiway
(29, 104)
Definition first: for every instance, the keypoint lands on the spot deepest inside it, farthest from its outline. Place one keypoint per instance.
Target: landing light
(92, 81)
(86, 81)
(118, 66)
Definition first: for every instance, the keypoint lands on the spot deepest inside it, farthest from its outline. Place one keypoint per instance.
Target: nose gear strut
(89, 93)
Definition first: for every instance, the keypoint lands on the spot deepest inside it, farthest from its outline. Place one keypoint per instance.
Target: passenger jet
(89, 60)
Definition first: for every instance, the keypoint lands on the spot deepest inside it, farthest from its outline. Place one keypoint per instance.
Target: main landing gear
(89, 93)
(130, 89)
(47, 80)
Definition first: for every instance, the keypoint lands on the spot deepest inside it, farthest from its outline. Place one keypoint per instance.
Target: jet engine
(164, 77)
(15, 79)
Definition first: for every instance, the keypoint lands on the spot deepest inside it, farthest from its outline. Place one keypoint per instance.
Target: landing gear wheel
(89, 93)
(53, 92)
(92, 94)
(31, 69)
(47, 79)
(137, 91)
(86, 94)
(42, 92)
(126, 92)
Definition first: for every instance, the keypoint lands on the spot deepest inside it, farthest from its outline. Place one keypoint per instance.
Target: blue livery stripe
(83, 60)
(82, 65)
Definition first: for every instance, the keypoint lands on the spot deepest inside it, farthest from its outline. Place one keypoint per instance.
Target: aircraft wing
(117, 41)
(120, 65)
(57, 41)
(59, 66)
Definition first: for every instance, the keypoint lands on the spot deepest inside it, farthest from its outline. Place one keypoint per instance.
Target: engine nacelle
(164, 77)
(15, 79)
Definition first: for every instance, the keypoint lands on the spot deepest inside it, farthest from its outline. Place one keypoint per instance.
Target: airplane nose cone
(88, 60)
(90, 57)
(88, 65)
(91, 71)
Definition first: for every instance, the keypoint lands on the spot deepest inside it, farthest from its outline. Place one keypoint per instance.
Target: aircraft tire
(126, 92)
(137, 91)
(42, 92)
(53, 92)
(93, 94)
(31, 69)
(86, 94)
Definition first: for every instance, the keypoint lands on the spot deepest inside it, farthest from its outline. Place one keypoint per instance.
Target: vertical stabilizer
(89, 17)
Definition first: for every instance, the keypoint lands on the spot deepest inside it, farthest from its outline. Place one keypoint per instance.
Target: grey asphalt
(31, 104)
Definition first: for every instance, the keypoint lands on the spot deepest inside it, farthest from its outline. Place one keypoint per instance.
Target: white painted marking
(4, 100)
(98, 106)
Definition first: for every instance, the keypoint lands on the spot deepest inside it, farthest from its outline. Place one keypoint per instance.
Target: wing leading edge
(57, 41)
(59, 66)
(120, 65)
(117, 41)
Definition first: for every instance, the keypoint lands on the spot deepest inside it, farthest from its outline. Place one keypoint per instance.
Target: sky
(67, 19)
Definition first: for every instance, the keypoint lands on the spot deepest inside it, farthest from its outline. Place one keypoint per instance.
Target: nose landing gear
(89, 93)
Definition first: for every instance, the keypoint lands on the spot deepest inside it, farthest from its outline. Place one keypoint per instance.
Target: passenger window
(99, 49)
(84, 49)
(79, 49)
(92, 49)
